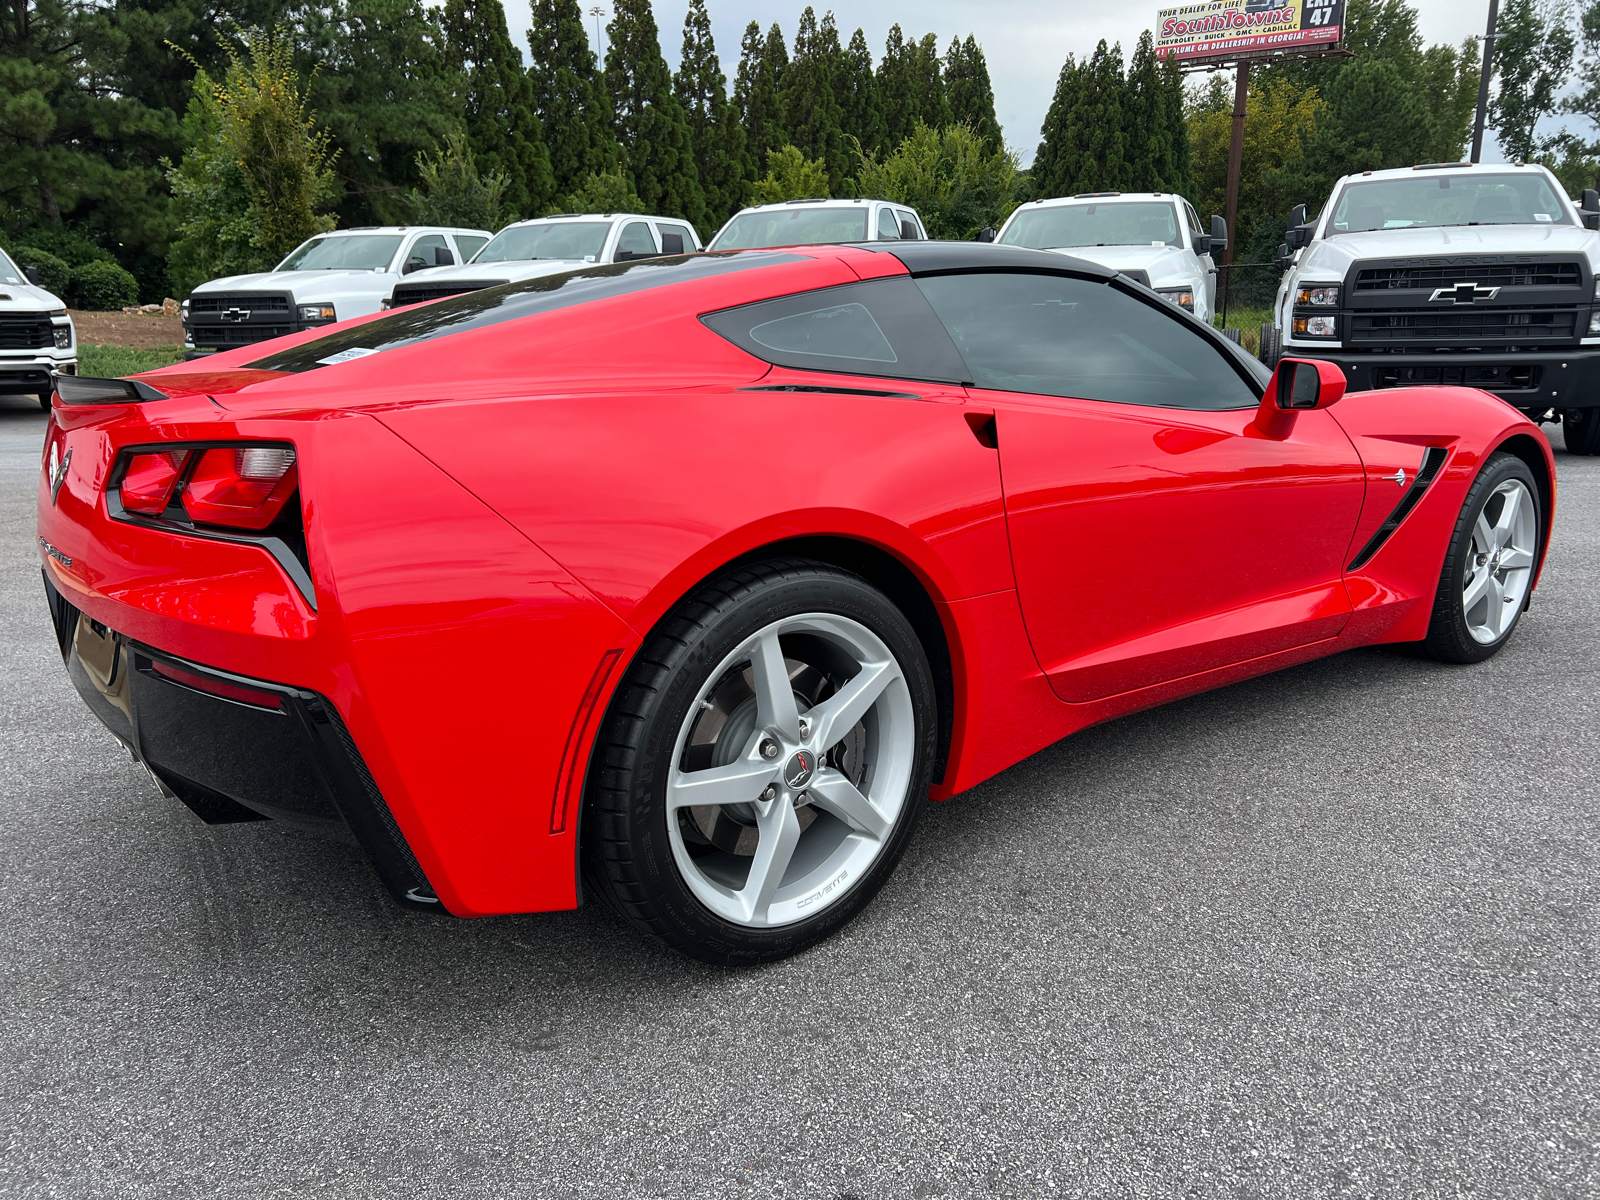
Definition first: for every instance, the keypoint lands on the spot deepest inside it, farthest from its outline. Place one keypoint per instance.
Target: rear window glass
(509, 302)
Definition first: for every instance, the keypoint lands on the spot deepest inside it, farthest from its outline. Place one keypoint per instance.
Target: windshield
(1432, 201)
(1118, 224)
(793, 227)
(9, 272)
(579, 241)
(344, 252)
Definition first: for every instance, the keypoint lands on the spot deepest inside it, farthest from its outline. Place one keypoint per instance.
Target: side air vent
(1432, 460)
(80, 389)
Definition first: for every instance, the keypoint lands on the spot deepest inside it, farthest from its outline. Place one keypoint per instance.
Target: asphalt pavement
(1331, 933)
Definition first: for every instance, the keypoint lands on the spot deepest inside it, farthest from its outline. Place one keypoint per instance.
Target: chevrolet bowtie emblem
(1463, 293)
(236, 315)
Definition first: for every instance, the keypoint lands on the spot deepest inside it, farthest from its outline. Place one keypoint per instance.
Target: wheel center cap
(798, 770)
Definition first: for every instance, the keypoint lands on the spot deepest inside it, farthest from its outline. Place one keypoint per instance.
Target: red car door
(1155, 532)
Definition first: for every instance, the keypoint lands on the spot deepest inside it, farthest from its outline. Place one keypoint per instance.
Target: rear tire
(1581, 429)
(1488, 570)
(749, 796)
(1271, 346)
(44, 399)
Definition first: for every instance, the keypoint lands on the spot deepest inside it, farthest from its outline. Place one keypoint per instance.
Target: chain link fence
(1245, 296)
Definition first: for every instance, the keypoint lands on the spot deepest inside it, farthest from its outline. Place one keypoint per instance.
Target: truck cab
(330, 277)
(1463, 274)
(37, 337)
(1153, 237)
(528, 249)
(819, 222)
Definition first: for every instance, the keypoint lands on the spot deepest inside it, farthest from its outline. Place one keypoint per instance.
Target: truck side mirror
(1299, 234)
(1590, 209)
(1202, 243)
(1297, 385)
(1219, 234)
(1285, 258)
(33, 275)
(987, 234)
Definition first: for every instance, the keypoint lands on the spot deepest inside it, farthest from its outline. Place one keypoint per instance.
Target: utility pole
(1483, 83)
(1230, 207)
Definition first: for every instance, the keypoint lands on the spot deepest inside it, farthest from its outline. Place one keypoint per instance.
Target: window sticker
(345, 356)
(1542, 217)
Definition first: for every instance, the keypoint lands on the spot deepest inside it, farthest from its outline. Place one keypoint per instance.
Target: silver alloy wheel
(791, 770)
(1500, 562)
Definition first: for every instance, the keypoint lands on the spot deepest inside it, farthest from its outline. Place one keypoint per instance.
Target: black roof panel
(932, 258)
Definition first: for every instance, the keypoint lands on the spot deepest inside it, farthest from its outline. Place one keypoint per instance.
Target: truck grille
(1468, 302)
(417, 293)
(1470, 326)
(253, 301)
(226, 319)
(26, 331)
(1533, 274)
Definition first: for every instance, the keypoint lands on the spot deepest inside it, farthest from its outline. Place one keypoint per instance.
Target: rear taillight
(148, 483)
(245, 487)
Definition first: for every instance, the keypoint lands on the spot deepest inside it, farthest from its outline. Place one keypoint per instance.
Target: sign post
(1208, 35)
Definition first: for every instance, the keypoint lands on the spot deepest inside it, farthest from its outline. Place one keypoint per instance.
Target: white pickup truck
(36, 335)
(1484, 276)
(1153, 237)
(330, 277)
(819, 222)
(547, 245)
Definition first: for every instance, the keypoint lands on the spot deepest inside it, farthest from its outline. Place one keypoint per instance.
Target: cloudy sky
(1025, 41)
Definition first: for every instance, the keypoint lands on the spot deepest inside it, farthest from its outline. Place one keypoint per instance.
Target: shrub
(454, 194)
(54, 274)
(951, 176)
(791, 176)
(102, 287)
(605, 192)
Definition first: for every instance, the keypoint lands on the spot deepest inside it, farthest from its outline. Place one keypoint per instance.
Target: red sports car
(685, 581)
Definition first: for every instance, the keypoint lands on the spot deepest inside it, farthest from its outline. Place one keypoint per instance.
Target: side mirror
(442, 257)
(1219, 234)
(33, 275)
(1285, 259)
(908, 231)
(412, 264)
(1299, 234)
(987, 234)
(1590, 210)
(1297, 385)
(1298, 215)
(1202, 243)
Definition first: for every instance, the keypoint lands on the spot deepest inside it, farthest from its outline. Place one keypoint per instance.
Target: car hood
(1332, 257)
(24, 297)
(305, 285)
(500, 272)
(1161, 263)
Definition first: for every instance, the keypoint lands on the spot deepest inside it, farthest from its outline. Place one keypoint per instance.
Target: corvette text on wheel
(685, 582)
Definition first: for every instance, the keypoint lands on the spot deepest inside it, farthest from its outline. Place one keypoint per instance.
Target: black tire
(1448, 639)
(1580, 427)
(1271, 346)
(626, 841)
(44, 399)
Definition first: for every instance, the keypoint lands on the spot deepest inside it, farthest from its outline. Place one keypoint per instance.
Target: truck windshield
(344, 252)
(8, 270)
(578, 241)
(798, 226)
(1119, 224)
(1434, 201)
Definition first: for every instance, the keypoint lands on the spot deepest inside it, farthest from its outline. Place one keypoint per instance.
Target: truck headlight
(1182, 297)
(1594, 323)
(1318, 295)
(1316, 327)
(63, 337)
(317, 312)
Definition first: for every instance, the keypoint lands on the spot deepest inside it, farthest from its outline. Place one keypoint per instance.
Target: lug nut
(769, 748)
(771, 792)
(805, 727)
(803, 799)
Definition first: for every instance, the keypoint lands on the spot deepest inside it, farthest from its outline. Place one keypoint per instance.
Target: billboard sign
(1230, 28)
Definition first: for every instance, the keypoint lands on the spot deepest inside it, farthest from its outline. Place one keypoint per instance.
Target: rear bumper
(20, 374)
(234, 748)
(1533, 382)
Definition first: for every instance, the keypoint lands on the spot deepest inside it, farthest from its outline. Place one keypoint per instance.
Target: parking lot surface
(1330, 933)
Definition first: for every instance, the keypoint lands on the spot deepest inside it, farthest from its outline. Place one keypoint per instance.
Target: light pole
(1483, 83)
(597, 12)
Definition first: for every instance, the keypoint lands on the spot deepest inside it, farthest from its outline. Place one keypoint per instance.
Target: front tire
(44, 399)
(1488, 570)
(1271, 346)
(1580, 427)
(763, 765)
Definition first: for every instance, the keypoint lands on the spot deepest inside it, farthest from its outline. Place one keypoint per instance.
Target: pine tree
(861, 115)
(932, 103)
(650, 123)
(809, 96)
(762, 62)
(714, 128)
(898, 95)
(569, 97)
(503, 130)
(1084, 143)
(966, 81)
(1149, 140)
(1055, 163)
(1177, 174)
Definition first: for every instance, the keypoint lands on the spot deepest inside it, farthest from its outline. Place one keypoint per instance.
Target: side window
(910, 227)
(880, 327)
(469, 244)
(675, 239)
(1052, 335)
(888, 227)
(1193, 218)
(425, 253)
(636, 242)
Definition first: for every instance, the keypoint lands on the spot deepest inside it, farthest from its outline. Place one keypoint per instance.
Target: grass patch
(1248, 321)
(113, 362)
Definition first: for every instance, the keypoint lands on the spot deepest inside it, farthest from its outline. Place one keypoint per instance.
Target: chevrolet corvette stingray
(685, 582)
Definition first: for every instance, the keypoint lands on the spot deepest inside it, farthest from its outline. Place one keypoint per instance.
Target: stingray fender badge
(58, 470)
(61, 558)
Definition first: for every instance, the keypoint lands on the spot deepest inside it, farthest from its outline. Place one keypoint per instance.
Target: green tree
(1055, 163)
(955, 180)
(791, 176)
(861, 114)
(506, 137)
(809, 96)
(569, 97)
(1174, 170)
(715, 131)
(933, 105)
(898, 95)
(1585, 98)
(454, 192)
(253, 183)
(606, 192)
(1533, 51)
(1085, 143)
(763, 62)
(1144, 113)
(650, 123)
(971, 95)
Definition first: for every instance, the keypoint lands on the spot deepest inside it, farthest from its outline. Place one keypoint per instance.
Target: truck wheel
(44, 400)
(1581, 428)
(1233, 335)
(1271, 346)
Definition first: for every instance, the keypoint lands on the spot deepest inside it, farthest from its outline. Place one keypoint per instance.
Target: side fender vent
(1432, 460)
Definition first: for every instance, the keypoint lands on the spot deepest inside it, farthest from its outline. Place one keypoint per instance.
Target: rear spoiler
(76, 389)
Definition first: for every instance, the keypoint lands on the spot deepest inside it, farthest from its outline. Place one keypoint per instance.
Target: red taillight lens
(245, 487)
(148, 482)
